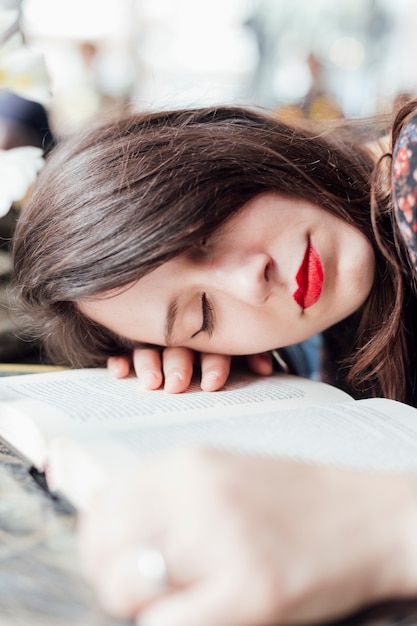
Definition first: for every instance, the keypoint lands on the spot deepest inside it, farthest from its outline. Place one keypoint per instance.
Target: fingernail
(171, 381)
(175, 376)
(213, 375)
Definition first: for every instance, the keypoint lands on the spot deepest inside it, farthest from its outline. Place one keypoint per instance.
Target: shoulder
(404, 184)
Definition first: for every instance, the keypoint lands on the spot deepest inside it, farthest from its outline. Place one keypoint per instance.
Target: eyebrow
(170, 320)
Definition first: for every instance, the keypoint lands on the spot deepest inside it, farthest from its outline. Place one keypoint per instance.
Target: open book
(78, 426)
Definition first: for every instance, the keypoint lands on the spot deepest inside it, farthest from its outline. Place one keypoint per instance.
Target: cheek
(252, 333)
(357, 289)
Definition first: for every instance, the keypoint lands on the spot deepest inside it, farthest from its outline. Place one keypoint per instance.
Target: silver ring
(152, 567)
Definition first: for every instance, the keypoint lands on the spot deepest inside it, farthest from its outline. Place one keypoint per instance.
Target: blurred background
(319, 58)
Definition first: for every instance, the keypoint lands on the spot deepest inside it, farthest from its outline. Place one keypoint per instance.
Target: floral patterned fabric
(404, 172)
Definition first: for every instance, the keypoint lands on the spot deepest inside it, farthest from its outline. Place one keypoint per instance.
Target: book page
(94, 398)
(369, 434)
(75, 425)
(107, 424)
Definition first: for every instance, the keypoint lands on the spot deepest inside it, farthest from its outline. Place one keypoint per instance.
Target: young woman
(223, 232)
(121, 201)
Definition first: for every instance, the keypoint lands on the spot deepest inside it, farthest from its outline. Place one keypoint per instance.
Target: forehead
(136, 312)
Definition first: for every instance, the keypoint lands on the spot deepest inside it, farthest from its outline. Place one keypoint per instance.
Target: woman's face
(278, 272)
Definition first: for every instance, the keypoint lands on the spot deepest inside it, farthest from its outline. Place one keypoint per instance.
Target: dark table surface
(40, 579)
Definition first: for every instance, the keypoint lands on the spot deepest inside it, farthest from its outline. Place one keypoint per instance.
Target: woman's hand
(250, 540)
(173, 368)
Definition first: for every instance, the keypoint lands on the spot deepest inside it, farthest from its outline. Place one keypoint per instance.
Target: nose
(248, 278)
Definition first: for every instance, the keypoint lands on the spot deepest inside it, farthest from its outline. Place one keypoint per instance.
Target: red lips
(309, 279)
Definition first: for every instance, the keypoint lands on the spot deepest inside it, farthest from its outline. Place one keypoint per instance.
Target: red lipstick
(309, 279)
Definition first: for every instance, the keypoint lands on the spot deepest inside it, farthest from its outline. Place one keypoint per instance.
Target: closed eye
(207, 325)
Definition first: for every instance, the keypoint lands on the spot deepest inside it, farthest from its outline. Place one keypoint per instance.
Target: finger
(178, 369)
(215, 369)
(121, 589)
(112, 520)
(260, 363)
(119, 366)
(204, 603)
(148, 368)
(97, 534)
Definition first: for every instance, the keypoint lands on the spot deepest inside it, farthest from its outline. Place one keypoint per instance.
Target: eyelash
(208, 317)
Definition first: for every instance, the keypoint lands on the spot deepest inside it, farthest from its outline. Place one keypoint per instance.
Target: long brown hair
(120, 199)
